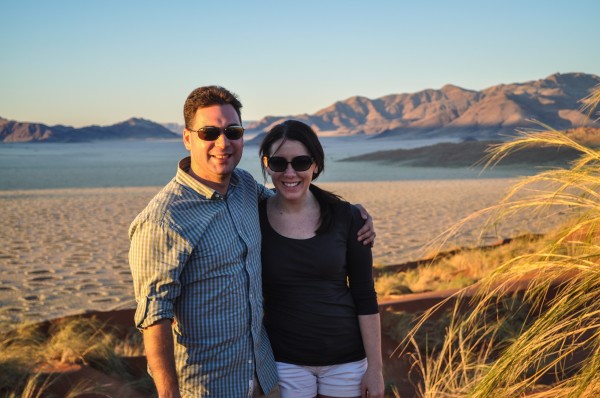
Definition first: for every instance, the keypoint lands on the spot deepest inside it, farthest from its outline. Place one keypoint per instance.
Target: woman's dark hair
(295, 130)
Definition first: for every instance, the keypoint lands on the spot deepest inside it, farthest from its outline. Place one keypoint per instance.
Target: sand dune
(64, 252)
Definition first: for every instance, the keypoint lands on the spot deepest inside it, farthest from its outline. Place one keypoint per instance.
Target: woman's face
(292, 185)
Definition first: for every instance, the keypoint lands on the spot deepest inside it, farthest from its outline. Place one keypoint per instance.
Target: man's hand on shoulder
(366, 234)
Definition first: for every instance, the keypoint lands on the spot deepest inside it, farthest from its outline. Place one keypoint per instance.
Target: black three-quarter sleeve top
(314, 289)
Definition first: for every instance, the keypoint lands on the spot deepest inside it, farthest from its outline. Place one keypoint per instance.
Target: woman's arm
(370, 329)
(360, 277)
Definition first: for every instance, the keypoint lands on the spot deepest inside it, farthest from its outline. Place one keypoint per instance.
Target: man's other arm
(158, 343)
(366, 235)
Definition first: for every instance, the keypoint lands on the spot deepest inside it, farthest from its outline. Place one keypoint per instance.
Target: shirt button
(250, 361)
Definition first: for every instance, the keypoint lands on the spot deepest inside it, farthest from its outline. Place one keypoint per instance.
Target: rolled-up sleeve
(156, 256)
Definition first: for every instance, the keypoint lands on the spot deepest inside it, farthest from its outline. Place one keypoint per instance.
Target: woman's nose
(289, 169)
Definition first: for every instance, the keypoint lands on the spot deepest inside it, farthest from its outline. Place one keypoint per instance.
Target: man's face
(214, 161)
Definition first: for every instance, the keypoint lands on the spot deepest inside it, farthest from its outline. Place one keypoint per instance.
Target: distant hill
(174, 127)
(465, 154)
(134, 128)
(453, 111)
(472, 152)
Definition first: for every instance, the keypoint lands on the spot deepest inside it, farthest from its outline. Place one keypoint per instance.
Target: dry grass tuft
(555, 350)
(27, 350)
(588, 136)
(453, 270)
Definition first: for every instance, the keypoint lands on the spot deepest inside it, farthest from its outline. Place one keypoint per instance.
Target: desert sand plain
(64, 251)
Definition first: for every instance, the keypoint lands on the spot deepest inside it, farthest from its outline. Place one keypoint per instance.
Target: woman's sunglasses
(299, 163)
(211, 133)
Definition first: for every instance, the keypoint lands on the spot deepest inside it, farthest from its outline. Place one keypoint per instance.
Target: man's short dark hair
(206, 96)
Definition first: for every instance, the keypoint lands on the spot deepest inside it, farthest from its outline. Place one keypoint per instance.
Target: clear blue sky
(83, 62)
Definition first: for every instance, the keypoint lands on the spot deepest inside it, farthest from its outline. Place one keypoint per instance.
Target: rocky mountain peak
(455, 111)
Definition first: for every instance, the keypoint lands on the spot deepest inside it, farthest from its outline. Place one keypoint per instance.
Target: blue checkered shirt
(195, 258)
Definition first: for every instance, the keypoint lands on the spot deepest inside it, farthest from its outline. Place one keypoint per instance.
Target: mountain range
(134, 128)
(448, 112)
(454, 111)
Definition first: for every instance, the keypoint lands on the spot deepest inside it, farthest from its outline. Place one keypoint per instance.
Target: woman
(320, 304)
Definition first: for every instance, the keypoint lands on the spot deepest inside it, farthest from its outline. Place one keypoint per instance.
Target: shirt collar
(184, 178)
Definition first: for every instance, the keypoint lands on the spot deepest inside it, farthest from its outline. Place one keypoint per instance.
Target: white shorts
(343, 380)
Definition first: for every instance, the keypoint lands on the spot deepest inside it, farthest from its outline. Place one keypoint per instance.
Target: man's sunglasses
(299, 163)
(211, 133)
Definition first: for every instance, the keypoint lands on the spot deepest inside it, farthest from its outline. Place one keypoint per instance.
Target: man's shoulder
(244, 176)
(163, 202)
(178, 208)
(244, 180)
(167, 196)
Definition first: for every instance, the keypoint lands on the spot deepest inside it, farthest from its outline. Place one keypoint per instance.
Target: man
(195, 261)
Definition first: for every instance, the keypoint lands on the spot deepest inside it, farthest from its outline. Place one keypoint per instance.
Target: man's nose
(221, 141)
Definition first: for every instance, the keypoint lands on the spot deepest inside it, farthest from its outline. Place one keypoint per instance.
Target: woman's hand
(372, 385)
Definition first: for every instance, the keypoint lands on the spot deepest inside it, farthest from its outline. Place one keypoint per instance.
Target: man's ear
(187, 139)
(265, 161)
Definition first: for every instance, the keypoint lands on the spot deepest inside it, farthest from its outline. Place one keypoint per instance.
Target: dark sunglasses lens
(277, 164)
(234, 132)
(301, 163)
(209, 133)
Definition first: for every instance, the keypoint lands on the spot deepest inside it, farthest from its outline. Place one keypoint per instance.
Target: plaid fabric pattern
(195, 258)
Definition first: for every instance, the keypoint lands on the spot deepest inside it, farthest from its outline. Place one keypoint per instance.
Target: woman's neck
(282, 205)
(297, 219)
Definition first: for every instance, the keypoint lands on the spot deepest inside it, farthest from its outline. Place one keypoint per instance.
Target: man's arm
(158, 343)
(366, 234)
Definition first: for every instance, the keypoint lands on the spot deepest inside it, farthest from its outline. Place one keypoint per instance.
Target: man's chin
(224, 170)
(223, 166)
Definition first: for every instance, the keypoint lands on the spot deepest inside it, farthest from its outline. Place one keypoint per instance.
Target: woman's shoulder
(345, 208)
